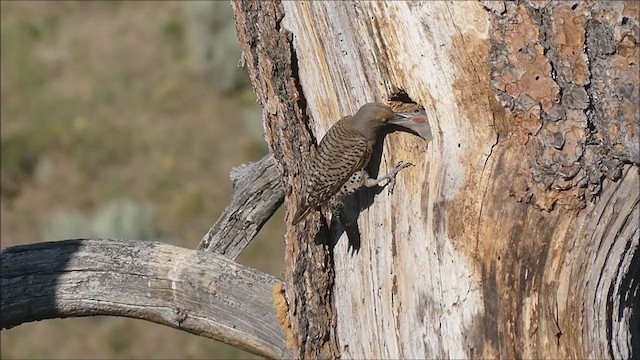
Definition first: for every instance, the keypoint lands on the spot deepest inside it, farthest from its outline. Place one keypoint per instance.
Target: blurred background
(122, 119)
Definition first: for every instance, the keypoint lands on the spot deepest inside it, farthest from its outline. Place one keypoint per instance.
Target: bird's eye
(416, 111)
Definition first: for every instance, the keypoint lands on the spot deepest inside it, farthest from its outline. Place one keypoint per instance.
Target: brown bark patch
(567, 75)
(568, 33)
(519, 66)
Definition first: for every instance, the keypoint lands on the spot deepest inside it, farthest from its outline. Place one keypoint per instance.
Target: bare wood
(202, 293)
(516, 233)
(257, 194)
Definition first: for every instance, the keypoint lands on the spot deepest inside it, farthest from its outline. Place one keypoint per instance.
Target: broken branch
(202, 293)
(257, 194)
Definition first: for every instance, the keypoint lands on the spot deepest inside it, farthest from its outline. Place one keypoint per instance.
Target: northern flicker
(337, 168)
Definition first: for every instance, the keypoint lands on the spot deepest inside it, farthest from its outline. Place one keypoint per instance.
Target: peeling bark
(569, 72)
(272, 65)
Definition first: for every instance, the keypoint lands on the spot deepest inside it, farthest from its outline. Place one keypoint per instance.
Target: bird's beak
(416, 121)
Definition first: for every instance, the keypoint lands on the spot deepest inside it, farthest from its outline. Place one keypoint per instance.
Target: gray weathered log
(257, 194)
(202, 293)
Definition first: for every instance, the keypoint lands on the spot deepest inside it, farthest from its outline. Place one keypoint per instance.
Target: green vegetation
(173, 32)
(120, 219)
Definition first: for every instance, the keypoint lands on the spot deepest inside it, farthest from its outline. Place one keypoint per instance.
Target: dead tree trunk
(516, 234)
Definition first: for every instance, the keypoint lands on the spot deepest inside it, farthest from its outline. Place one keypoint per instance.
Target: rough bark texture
(257, 194)
(272, 64)
(516, 234)
(202, 293)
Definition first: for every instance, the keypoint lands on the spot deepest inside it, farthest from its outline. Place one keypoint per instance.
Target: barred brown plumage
(336, 169)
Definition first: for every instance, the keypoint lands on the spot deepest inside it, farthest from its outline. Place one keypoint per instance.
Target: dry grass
(98, 105)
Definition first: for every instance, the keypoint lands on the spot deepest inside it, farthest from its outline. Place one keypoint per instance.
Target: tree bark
(309, 274)
(516, 234)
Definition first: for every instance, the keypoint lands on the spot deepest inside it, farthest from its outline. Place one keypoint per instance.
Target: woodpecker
(337, 168)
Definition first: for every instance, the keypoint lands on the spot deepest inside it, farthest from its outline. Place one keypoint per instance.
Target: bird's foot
(389, 179)
(392, 175)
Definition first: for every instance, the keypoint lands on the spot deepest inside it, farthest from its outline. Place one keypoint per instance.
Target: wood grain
(257, 194)
(202, 293)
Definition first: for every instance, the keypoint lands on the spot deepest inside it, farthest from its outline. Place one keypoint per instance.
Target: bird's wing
(342, 151)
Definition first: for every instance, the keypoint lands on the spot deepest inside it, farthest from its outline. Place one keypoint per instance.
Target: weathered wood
(202, 293)
(516, 233)
(272, 65)
(397, 289)
(257, 194)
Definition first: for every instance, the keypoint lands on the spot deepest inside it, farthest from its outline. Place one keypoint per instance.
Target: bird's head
(371, 117)
(415, 121)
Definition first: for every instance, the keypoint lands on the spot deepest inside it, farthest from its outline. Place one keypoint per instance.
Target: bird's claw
(392, 176)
